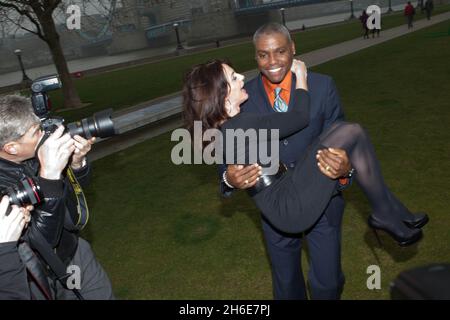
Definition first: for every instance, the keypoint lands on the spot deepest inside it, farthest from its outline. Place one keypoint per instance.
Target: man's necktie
(279, 105)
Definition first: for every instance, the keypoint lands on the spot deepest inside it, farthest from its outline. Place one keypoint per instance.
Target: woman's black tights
(354, 140)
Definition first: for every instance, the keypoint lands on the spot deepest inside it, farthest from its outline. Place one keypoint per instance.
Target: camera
(27, 192)
(99, 125)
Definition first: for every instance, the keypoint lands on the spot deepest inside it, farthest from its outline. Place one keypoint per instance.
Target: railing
(252, 7)
(163, 29)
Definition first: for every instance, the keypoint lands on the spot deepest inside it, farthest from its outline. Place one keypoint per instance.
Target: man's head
(274, 51)
(19, 128)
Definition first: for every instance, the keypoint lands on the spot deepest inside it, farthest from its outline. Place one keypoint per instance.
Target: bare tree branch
(37, 7)
(26, 13)
(9, 26)
(40, 14)
(54, 4)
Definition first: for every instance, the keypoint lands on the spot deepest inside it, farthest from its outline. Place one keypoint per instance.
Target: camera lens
(99, 125)
(25, 193)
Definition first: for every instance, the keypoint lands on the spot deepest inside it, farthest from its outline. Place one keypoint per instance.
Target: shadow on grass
(241, 204)
(398, 253)
(191, 229)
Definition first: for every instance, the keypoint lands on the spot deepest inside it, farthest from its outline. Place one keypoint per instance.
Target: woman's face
(236, 93)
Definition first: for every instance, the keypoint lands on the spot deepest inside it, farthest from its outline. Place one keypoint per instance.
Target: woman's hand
(301, 73)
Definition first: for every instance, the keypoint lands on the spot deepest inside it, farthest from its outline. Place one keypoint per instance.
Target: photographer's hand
(54, 154)
(12, 225)
(82, 147)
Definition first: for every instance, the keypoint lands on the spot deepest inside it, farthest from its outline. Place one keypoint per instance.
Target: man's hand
(82, 147)
(333, 163)
(243, 177)
(11, 225)
(54, 154)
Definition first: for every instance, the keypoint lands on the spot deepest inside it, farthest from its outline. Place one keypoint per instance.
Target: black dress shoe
(420, 219)
(403, 235)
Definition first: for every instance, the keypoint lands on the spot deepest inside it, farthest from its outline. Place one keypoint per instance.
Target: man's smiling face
(274, 55)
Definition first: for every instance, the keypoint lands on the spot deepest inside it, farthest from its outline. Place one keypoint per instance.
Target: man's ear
(293, 47)
(11, 148)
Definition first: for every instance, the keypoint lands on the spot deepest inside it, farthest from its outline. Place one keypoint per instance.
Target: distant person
(421, 6)
(363, 18)
(375, 30)
(409, 13)
(429, 6)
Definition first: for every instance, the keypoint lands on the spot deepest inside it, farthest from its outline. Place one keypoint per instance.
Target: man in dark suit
(270, 92)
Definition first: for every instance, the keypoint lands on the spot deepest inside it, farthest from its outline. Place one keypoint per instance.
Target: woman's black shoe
(420, 219)
(403, 235)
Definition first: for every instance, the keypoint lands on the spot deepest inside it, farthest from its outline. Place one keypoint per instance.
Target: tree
(36, 16)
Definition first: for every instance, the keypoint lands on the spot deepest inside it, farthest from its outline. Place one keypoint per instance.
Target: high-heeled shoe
(420, 219)
(403, 235)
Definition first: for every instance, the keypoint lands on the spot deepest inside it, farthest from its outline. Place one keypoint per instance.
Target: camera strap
(82, 207)
(59, 269)
(35, 269)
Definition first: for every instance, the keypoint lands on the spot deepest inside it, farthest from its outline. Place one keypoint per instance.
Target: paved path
(334, 18)
(156, 111)
(84, 64)
(144, 55)
(333, 52)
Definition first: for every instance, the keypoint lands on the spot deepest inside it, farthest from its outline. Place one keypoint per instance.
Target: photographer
(12, 271)
(51, 242)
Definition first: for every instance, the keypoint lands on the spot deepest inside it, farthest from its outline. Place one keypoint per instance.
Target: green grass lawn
(123, 88)
(162, 231)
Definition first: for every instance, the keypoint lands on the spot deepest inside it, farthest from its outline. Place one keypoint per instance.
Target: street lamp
(25, 78)
(352, 15)
(390, 8)
(283, 18)
(179, 45)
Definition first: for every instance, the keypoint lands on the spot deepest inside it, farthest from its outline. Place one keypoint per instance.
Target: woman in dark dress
(293, 200)
(363, 18)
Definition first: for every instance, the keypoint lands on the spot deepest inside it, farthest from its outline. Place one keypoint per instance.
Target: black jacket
(13, 276)
(55, 218)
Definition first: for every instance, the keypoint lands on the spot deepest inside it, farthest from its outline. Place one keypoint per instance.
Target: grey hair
(16, 117)
(271, 28)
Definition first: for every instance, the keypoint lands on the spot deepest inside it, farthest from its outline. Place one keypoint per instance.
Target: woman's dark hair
(204, 91)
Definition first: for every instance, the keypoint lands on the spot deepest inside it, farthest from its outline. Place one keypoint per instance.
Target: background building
(127, 25)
